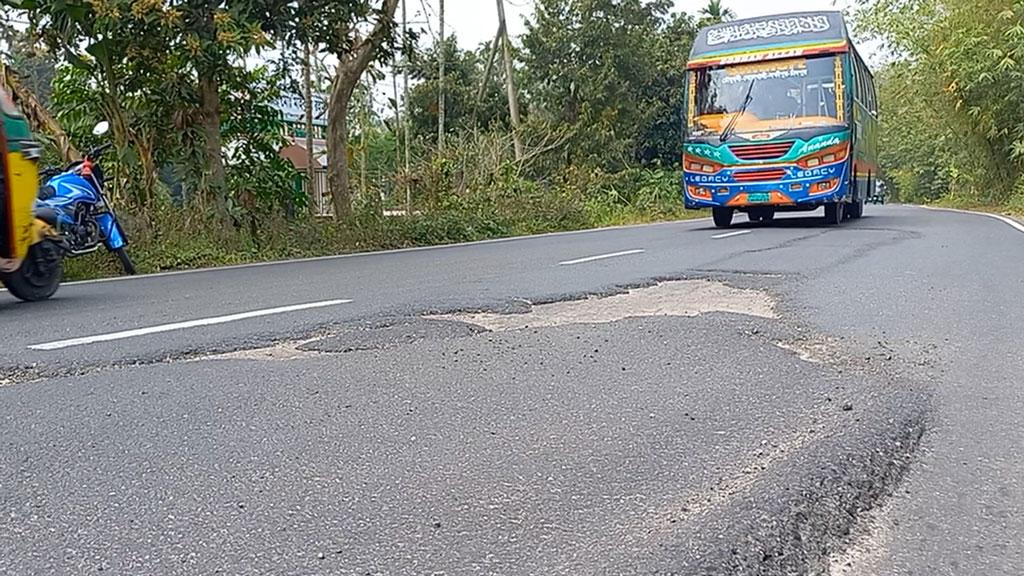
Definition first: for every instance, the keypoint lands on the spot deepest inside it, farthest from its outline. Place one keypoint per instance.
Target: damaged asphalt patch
(629, 434)
(686, 298)
(370, 335)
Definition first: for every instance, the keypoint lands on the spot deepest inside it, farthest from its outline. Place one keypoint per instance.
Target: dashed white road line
(731, 234)
(183, 325)
(600, 257)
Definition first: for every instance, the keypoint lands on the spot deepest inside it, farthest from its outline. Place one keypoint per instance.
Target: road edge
(1009, 221)
(383, 252)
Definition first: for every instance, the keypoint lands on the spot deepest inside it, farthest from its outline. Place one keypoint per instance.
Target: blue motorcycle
(85, 220)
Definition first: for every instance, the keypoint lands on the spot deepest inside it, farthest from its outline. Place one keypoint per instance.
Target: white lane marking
(184, 325)
(1005, 220)
(731, 234)
(381, 252)
(600, 257)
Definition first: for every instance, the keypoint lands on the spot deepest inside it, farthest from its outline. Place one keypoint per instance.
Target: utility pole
(440, 81)
(397, 129)
(487, 77)
(405, 115)
(510, 83)
(364, 121)
(307, 85)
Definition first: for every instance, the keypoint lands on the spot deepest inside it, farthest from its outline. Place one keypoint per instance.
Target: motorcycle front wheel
(39, 275)
(126, 262)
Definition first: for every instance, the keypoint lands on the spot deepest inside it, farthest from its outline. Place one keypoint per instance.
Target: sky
(476, 21)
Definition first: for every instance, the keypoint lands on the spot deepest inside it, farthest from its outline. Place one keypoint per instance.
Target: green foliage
(74, 102)
(34, 63)
(952, 99)
(254, 133)
(611, 71)
(714, 12)
(464, 73)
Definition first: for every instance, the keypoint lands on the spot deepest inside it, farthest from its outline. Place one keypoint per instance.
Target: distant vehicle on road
(781, 115)
(878, 193)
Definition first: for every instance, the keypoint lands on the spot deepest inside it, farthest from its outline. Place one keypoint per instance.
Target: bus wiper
(728, 130)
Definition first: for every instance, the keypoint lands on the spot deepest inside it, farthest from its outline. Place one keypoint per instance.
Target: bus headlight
(702, 165)
(824, 187)
(829, 155)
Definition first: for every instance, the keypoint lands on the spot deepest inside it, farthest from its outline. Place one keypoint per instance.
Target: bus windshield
(784, 95)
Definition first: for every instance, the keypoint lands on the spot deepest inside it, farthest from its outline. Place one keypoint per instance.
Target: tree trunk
(440, 82)
(307, 93)
(337, 147)
(209, 101)
(405, 116)
(350, 68)
(510, 82)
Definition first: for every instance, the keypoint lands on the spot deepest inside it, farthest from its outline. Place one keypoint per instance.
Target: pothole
(866, 551)
(375, 335)
(278, 352)
(815, 351)
(387, 333)
(686, 298)
(674, 298)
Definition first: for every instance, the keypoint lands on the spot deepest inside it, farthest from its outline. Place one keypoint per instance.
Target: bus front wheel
(722, 217)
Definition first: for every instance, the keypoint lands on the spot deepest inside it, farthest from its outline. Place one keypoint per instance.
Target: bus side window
(871, 96)
(874, 97)
(866, 80)
(859, 80)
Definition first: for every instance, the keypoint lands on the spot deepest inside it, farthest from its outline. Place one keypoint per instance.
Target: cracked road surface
(796, 399)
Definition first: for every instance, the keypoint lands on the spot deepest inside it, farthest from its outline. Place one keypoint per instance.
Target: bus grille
(768, 151)
(760, 175)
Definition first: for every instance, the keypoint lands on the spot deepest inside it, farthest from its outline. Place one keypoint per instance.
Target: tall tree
(714, 13)
(158, 69)
(354, 32)
(29, 69)
(610, 70)
(465, 72)
(510, 81)
(952, 97)
(34, 64)
(220, 34)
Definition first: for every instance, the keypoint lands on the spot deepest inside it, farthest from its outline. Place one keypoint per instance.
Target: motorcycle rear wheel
(39, 275)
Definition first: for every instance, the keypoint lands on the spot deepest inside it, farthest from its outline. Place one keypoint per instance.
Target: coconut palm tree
(714, 13)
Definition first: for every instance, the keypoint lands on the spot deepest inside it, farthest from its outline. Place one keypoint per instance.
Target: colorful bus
(781, 115)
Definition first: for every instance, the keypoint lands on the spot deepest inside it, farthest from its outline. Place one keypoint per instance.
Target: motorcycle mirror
(101, 128)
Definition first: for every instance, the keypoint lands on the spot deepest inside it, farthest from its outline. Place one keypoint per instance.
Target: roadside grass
(175, 238)
(1014, 207)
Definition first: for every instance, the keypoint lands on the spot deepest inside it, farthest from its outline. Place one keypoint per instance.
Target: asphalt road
(874, 427)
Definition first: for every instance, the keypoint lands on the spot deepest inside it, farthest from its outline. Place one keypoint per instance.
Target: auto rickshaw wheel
(39, 275)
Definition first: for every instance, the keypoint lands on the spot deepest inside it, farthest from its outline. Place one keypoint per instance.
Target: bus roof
(770, 37)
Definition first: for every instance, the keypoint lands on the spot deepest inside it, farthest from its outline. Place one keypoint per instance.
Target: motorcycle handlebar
(51, 171)
(99, 150)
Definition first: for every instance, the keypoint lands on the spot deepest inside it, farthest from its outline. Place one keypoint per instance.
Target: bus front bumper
(785, 195)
